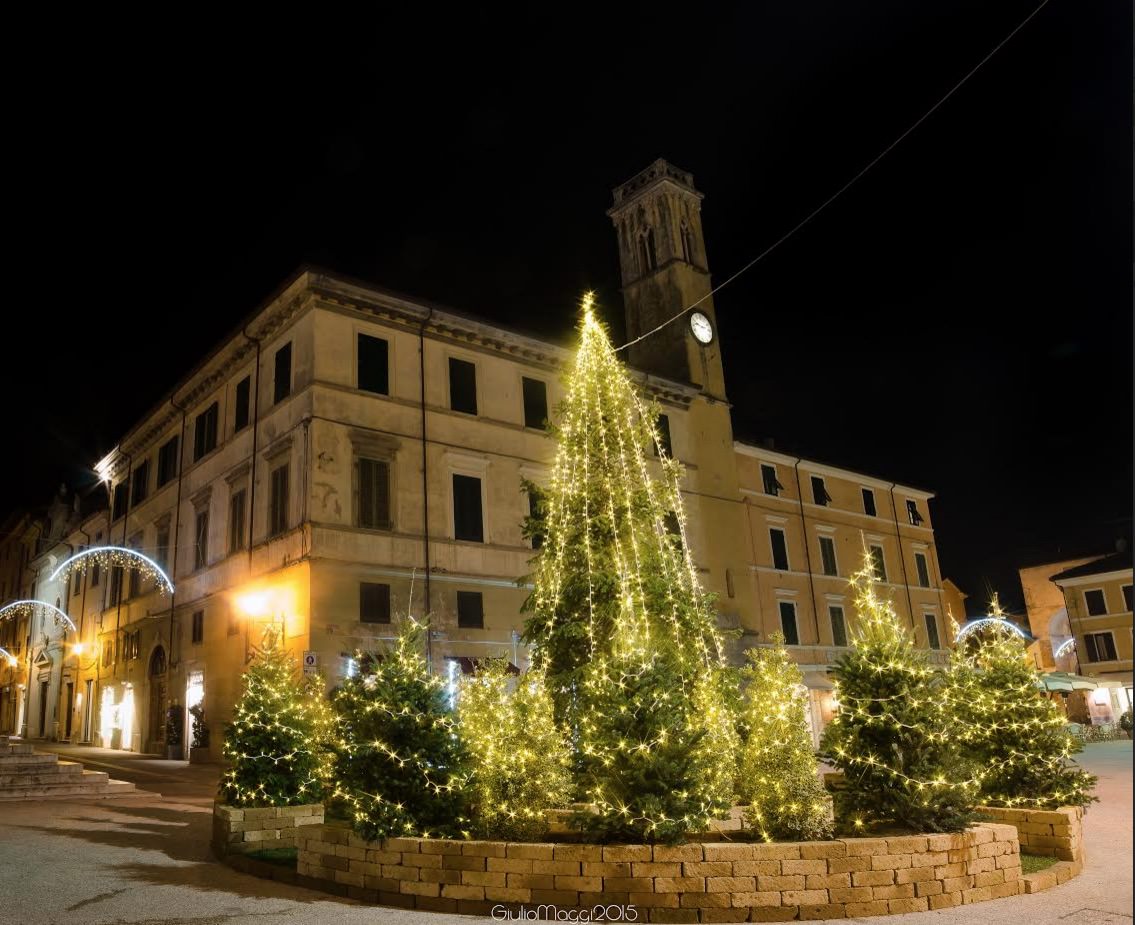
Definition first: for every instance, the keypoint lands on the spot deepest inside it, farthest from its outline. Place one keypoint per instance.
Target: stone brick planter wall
(1054, 833)
(240, 830)
(710, 882)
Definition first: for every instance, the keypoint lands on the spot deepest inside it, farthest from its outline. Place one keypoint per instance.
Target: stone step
(82, 788)
(64, 772)
(8, 762)
(18, 748)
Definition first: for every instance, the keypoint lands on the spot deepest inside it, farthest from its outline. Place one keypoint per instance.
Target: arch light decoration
(116, 557)
(999, 622)
(1068, 645)
(9, 657)
(27, 606)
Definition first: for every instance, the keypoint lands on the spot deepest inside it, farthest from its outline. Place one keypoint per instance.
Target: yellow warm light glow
(255, 603)
(77, 648)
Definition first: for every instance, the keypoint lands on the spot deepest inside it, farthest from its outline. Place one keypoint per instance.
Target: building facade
(349, 456)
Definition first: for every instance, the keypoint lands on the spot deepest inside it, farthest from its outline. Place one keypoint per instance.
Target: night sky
(959, 320)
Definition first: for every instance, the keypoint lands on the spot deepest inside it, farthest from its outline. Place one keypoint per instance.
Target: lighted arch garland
(116, 557)
(1068, 645)
(27, 608)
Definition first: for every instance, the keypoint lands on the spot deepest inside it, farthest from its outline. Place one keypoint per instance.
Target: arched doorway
(157, 677)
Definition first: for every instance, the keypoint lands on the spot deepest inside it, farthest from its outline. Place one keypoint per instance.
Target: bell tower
(657, 217)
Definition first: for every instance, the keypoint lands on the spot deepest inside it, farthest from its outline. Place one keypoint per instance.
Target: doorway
(43, 709)
(157, 730)
(88, 707)
(68, 709)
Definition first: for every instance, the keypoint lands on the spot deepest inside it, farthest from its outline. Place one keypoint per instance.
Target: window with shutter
(470, 610)
(374, 494)
(374, 602)
(468, 523)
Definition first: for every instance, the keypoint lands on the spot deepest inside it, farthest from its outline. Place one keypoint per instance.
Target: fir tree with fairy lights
(620, 625)
(1016, 735)
(519, 764)
(271, 743)
(399, 765)
(777, 765)
(895, 736)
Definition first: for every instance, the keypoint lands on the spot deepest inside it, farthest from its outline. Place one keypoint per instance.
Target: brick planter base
(1056, 833)
(710, 882)
(238, 830)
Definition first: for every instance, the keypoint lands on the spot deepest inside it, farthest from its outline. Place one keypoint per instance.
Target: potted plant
(175, 720)
(1125, 723)
(199, 744)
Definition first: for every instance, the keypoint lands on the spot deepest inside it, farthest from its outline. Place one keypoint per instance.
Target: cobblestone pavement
(145, 860)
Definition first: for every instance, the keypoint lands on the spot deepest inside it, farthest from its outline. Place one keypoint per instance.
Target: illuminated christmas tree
(518, 758)
(895, 736)
(1015, 734)
(271, 743)
(777, 768)
(398, 762)
(620, 625)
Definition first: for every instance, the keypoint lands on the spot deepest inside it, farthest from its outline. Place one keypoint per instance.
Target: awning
(818, 681)
(1063, 681)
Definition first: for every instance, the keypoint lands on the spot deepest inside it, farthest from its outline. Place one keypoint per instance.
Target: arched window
(647, 258)
(687, 243)
(158, 662)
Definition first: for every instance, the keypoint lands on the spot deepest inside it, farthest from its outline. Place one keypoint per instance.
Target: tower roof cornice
(658, 173)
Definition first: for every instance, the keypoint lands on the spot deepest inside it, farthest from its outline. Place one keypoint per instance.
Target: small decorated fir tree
(1016, 736)
(894, 736)
(620, 625)
(777, 774)
(518, 758)
(269, 744)
(398, 763)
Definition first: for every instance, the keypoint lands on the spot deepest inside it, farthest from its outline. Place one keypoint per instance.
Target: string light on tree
(620, 624)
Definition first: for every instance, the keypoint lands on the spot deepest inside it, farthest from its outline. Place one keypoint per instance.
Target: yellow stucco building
(349, 455)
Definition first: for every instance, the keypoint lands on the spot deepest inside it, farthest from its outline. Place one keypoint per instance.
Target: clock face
(701, 327)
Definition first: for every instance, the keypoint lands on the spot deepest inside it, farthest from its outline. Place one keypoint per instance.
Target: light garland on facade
(1068, 645)
(129, 560)
(26, 608)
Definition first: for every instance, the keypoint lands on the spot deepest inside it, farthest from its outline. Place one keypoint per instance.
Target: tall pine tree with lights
(777, 773)
(619, 623)
(1016, 736)
(895, 736)
(272, 744)
(399, 765)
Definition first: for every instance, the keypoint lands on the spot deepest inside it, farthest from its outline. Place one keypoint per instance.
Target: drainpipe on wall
(425, 486)
(122, 575)
(902, 561)
(172, 564)
(255, 437)
(807, 552)
(89, 730)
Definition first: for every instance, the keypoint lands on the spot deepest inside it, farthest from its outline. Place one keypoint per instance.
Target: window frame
(524, 403)
(383, 598)
(1087, 604)
(205, 438)
(279, 504)
(242, 403)
(201, 538)
(826, 541)
(362, 337)
(780, 609)
(1091, 648)
(880, 563)
(238, 534)
(866, 493)
(140, 478)
(480, 478)
(168, 452)
(913, 514)
(822, 498)
(280, 393)
(922, 568)
(832, 609)
(772, 547)
(476, 402)
(930, 622)
(197, 628)
(469, 596)
(376, 460)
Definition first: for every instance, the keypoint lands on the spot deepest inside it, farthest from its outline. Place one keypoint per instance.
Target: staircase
(28, 775)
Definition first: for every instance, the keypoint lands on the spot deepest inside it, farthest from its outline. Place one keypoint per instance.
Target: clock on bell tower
(657, 217)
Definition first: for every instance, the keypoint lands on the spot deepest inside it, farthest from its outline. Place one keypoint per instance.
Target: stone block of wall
(239, 829)
(1056, 833)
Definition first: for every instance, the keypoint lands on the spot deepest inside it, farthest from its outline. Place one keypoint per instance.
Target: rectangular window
(243, 403)
(374, 494)
(374, 365)
(533, 506)
(820, 491)
(96, 569)
(869, 502)
(470, 609)
(198, 627)
(121, 500)
(167, 461)
(535, 403)
(1100, 646)
(76, 582)
(115, 585)
(779, 549)
(1127, 598)
(827, 555)
(879, 560)
(665, 441)
(374, 602)
(282, 383)
(205, 431)
(788, 623)
(462, 386)
(135, 584)
(932, 637)
(768, 476)
(468, 523)
(278, 501)
(236, 520)
(839, 625)
(1095, 602)
(161, 550)
(923, 569)
(912, 513)
(140, 483)
(201, 540)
